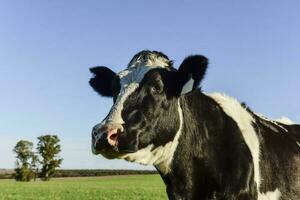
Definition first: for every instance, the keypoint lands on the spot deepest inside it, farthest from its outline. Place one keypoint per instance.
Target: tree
(24, 152)
(48, 147)
(34, 166)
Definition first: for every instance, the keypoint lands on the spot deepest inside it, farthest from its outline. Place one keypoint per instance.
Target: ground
(98, 188)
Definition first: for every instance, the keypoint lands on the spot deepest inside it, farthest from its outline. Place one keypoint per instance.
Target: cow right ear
(102, 80)
(190, 73)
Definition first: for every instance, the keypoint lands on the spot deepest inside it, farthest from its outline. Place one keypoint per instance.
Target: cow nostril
(113, 136)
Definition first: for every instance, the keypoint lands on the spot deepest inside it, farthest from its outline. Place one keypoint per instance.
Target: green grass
(110, 188)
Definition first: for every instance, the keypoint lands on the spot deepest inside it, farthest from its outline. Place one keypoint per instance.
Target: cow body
(220, 164)
(205, 146)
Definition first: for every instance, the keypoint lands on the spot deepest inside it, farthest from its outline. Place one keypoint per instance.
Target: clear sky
(47, 47)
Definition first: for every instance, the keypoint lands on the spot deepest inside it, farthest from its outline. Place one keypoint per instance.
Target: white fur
(153, 60)
(188, 86)
(298, 144)
(161, 156)
(274, 122)
(115, 112)
(275, 195)
(244, 121)
(285, 120)
(130, 79)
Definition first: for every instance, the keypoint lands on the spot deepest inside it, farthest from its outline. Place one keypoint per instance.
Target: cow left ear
(191, 72)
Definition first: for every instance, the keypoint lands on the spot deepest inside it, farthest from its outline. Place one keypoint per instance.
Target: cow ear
(102, 80)
(191, 72)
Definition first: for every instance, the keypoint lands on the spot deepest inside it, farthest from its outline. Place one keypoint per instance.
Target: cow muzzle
(105, 137)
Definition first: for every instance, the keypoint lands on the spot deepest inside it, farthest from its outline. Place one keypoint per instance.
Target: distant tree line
(90, 172)
(99, 172)
(43, 163)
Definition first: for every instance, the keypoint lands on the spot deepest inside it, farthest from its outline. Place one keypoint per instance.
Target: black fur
(102, 82)
(212, 160)
(194, 66)
(280, 157)
(148, 111)
(146, 55)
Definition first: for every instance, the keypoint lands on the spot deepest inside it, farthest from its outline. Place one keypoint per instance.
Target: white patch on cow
(275, 195)
(274, 122)
(130, 79)
(188, 86)
(115, 116)
(244, 120)
(152, 60)
(285, 120)
(298, 144)
(115, 112)
(161, 156)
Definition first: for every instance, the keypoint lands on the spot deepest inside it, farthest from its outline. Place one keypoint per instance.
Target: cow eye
(157, 88)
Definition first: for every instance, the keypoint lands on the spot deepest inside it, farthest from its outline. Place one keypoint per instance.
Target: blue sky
(47, 47)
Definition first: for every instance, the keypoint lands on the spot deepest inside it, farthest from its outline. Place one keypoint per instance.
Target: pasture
(98, 188)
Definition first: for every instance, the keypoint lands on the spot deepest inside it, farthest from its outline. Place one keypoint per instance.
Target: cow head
(146, 117)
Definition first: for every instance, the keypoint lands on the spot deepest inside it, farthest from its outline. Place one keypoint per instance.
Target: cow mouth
(112, 153)
(123, 145)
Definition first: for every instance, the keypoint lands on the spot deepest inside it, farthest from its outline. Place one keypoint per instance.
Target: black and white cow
(205, 146)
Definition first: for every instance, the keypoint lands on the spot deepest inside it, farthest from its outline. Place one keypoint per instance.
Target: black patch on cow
(102, 80)
(279, 157)
(193, 66)
(212, 160)
(147, 112)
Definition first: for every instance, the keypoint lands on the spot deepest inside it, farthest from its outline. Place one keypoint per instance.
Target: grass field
(110, 188)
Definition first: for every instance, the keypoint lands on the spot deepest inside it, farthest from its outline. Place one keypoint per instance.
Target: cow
(204, 146)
